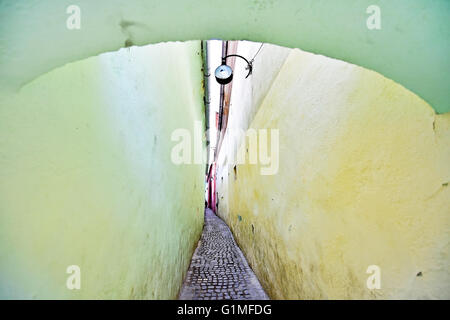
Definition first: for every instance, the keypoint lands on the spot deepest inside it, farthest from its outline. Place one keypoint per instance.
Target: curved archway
(34, 38)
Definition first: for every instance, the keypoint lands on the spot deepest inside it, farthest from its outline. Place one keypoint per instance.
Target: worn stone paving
(218, 268)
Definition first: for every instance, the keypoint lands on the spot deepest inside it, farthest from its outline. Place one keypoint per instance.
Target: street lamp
(224, 73)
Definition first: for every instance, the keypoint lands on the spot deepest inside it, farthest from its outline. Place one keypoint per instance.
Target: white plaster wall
(247, 95)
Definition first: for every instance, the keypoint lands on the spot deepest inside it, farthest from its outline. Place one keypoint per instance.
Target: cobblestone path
(218, 268)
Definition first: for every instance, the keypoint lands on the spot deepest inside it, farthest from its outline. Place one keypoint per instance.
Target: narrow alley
(224, 150)
(218, 269)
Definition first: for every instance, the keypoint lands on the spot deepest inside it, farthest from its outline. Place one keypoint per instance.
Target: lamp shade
(224, 74)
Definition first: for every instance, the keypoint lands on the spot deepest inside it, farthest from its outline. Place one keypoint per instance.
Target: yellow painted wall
(363, 180)
(86, 176)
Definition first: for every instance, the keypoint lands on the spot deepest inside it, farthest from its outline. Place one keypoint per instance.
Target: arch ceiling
(411, 48)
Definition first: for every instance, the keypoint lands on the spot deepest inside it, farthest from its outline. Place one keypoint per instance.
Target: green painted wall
(411, 48)
(86, 176)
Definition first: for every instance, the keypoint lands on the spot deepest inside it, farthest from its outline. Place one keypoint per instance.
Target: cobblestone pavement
(218, 268)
